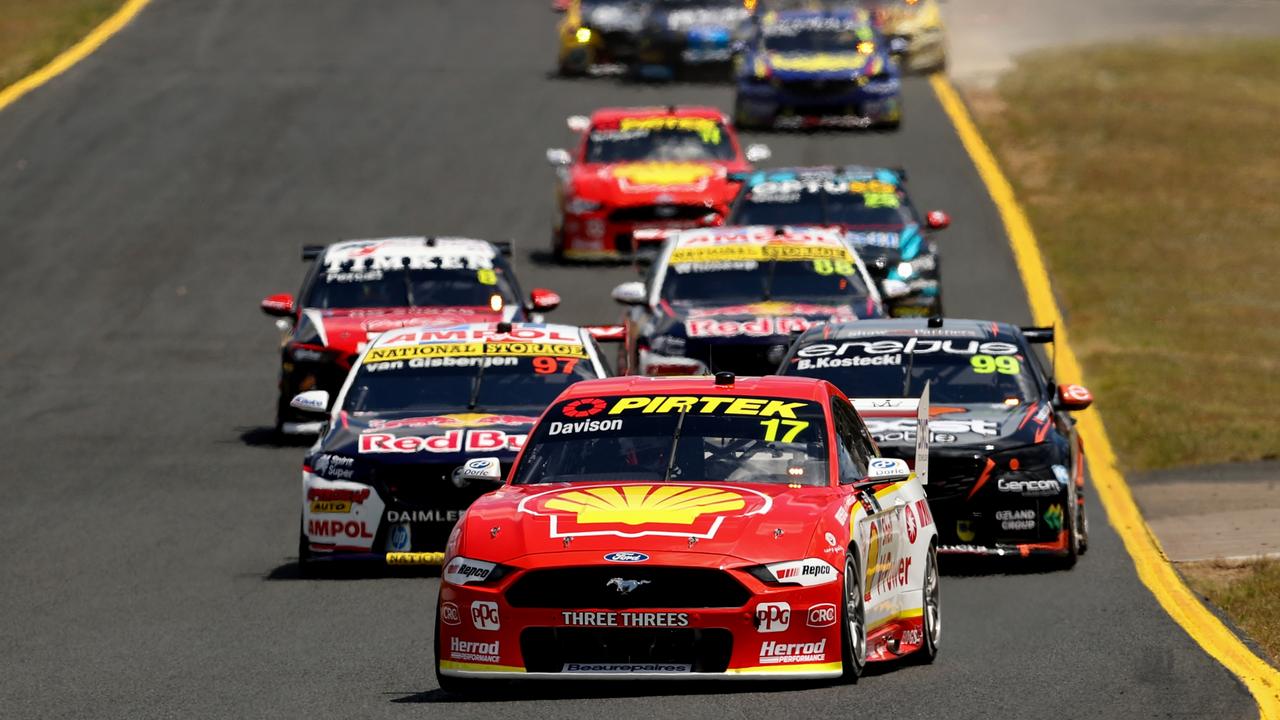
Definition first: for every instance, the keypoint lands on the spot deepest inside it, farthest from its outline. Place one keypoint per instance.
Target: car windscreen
(356, 286)
(958, 369)
(815, 35)
(678, 437)
(444, 378)
(853, 204)
(755, 273)
(660, 139)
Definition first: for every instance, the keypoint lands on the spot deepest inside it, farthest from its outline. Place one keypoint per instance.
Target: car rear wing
(904, 408)
(504, 247)
(607, 333)
(1035, 334)
(311, 252)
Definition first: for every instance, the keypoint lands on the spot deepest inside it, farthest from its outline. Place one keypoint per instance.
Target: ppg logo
(821, 616)
(484, 615)
(773, 617)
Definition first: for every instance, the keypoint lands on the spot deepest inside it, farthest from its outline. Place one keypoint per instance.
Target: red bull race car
(359, 288)
(663, 528)
(663, 168)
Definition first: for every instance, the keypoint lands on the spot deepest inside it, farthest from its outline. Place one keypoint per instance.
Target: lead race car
(663, 168)
(379, 483)
(692, 528)
(358, 288)
(734, 298)
(1007, 464)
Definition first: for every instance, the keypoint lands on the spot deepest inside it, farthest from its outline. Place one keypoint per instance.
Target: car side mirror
(578, 123)
(278, 305)
(758, 153)
(631, 293)
(1074, 397)
(895, 288)
(311, 401)
(484, 469)
(882, 470)
(544, 300)
(937, 220)
(558, 157)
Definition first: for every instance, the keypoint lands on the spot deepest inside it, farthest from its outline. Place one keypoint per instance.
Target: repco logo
(773, 617)
(1027, 487)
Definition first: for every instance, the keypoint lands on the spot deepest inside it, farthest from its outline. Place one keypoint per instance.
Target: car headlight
(465, 571)
(806, 573)
(579, 206)
(582, 35)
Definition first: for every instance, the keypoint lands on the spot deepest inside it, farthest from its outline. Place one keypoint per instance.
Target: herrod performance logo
(641, 510)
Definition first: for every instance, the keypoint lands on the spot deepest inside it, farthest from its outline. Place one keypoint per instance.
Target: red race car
(692, 528)
(656, 168)
(359, 288)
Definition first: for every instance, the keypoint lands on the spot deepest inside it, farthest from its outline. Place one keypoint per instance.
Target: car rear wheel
(932, 615)
(1070, 519)
(853, 616)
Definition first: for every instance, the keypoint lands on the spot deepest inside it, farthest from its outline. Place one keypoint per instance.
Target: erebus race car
(734, 298)
(1006, 466)
(917, 35)
(873, 208)
(595, 33)
(692, 528)
(359, 288)
(643, 168)
(829, 68)
(683, 38)
(420, 401)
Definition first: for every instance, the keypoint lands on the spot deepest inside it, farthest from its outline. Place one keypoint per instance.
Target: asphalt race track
(149, 199)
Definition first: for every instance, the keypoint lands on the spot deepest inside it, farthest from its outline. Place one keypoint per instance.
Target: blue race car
(687, 39)
(803, 69)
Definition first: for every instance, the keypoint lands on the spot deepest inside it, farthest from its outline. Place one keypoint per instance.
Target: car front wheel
(853, 615)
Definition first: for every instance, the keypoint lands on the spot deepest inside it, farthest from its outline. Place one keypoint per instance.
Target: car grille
(618, 45)
(549, 649)
(661, 587)
(659, 213)
(951, 475)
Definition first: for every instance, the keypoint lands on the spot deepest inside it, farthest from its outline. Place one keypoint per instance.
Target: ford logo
(626, 557)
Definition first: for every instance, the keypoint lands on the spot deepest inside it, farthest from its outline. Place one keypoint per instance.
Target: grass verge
(33, 32)
(1246, 592)
(1150, 174)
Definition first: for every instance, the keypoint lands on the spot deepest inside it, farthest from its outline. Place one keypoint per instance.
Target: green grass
(1246, 593)
(33, 32)
(1151, 174)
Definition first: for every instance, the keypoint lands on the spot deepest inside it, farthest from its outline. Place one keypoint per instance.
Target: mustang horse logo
(625, 587)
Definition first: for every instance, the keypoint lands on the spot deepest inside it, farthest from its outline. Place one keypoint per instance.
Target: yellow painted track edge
(1153, 567)
(74, 54)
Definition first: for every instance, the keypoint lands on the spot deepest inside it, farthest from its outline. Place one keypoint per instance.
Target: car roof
(860, 15)
(613, 115)
(776, 386)
(759, 235)
(486, 331)
(914, 327)
(892, 176)
(406, 247)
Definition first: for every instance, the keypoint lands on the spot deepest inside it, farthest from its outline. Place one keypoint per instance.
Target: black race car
(1006, 467)
(358, 288)
(380, 483)
(872, 207)
(687, 38)
(734, 298)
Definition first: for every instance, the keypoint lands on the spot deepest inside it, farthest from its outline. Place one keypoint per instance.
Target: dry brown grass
(32, 32)
(1151, 174)
(1246, 592)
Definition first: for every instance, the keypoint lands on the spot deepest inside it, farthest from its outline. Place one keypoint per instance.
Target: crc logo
(626, 556)
(821, 616)
(449, 614)
(484, 615)
(773, 617)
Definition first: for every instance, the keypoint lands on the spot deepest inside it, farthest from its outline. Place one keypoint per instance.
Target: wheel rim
(932, 601)
(855, 611)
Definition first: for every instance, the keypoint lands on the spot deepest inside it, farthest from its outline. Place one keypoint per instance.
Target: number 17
(771, 429)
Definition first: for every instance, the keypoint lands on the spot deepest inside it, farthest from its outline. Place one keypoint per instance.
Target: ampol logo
(642, 509)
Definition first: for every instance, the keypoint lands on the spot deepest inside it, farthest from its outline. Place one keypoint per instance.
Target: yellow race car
(596, 33)
(917, 35)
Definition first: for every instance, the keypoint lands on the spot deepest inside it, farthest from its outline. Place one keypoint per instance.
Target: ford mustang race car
(359, 288)
(1007, 467)
(802, 69)
(643, 167)
(873, 208)
(596, 33)
(917, 35)
(687, 38)
(691, 528)
(734, 298)
(420, 401)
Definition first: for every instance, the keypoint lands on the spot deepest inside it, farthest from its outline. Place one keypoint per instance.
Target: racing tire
(282, 407)
(742, 120)
(1068, 560)
(456, 686)
(932, 610)
(557, 247)
(1082, 522)
(853, 621)
(306, 565)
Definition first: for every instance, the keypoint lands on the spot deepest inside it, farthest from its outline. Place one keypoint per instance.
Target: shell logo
(643, 509)
(640, 176)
